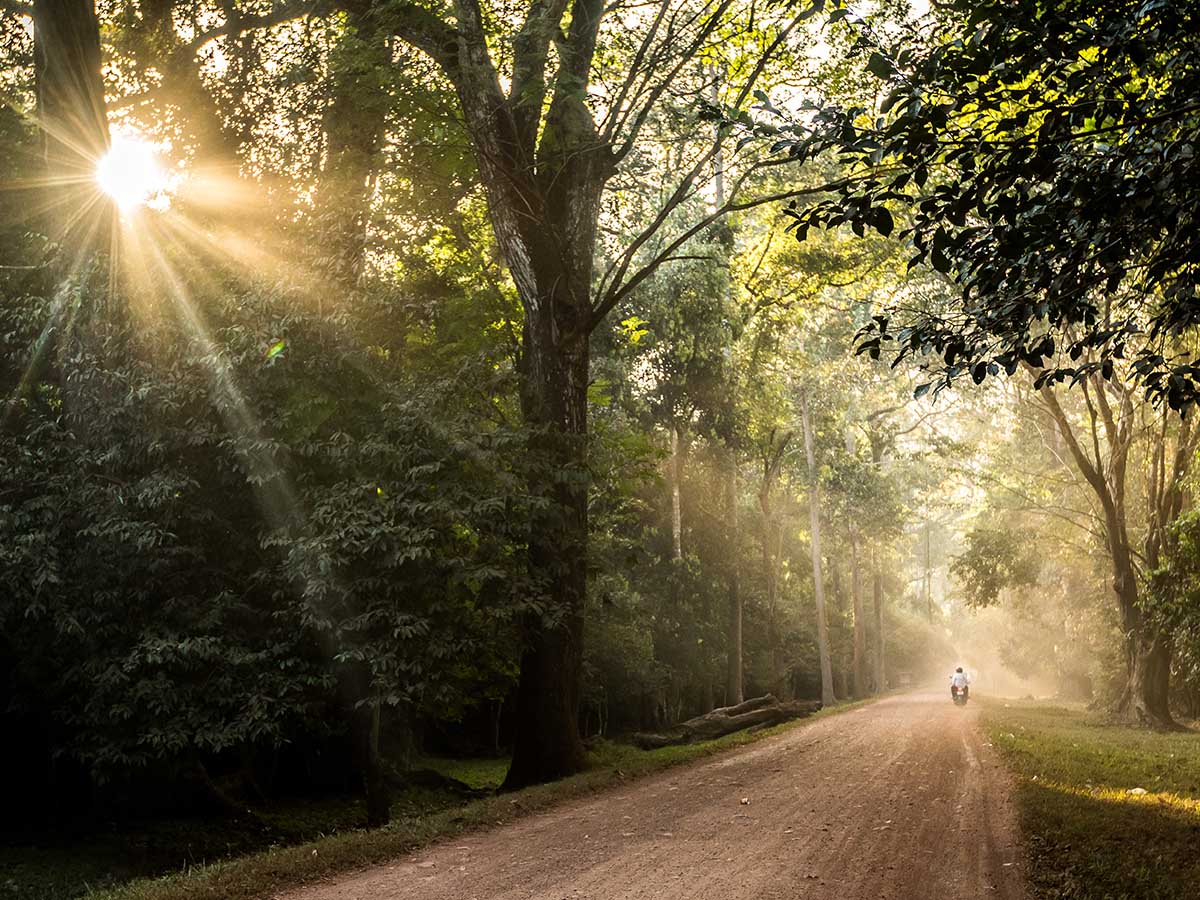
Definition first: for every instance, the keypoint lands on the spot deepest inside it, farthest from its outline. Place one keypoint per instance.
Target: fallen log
(760, 712)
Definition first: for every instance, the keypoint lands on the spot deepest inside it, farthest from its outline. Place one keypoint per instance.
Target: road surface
(902, 799)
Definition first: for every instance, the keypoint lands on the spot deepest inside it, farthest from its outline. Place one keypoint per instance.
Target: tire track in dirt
(899, 800)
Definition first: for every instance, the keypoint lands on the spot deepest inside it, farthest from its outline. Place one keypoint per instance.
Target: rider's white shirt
(960, 679)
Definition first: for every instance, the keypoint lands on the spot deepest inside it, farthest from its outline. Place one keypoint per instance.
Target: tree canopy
(1043, 157)
(385, 377)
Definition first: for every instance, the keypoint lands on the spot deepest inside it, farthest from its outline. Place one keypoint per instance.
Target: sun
(131, 174)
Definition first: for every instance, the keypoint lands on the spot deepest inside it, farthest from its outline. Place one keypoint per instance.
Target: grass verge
(1107, 811)
(260, 874)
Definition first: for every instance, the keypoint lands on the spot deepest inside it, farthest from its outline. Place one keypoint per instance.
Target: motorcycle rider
(960, 682)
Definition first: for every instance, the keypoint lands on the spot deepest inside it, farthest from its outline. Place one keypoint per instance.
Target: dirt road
(902, 799)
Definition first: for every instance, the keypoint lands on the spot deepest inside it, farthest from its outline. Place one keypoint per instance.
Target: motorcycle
(960, 696)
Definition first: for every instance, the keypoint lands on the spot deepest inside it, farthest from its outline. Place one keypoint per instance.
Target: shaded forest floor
(92, 856)
(214, 858)
(1106, 811)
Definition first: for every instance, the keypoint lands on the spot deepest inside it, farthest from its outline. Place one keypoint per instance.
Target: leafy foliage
(994, 561)
(1043, 157)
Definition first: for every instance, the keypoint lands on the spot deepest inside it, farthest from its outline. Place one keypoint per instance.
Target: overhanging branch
(618, 291)
(242, 24)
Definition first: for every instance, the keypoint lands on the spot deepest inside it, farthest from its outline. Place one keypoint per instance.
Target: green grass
(1090, 831)
(241, 875)
(481, 774)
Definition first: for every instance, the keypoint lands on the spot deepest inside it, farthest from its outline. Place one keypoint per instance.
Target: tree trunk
(73, 118)
(376, 791)
(928, 581)
(772, 540)
(354, 124)
(673, 476)
(880, 636)
(836, 602)
(860, 619)
(1147, 693)
(360, 707)
(1146, 698)
(676, 512)
(759, 712)
(543, 198)
(554, 379)
(495, 708)
(814, 509)
(733, 659)
(779, 680)
(554, 400)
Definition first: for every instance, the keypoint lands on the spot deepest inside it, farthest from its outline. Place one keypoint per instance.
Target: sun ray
(281, 505)
(38, 351)
(273, 487)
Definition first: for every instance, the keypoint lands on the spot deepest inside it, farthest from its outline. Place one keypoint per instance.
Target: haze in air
(562, 448)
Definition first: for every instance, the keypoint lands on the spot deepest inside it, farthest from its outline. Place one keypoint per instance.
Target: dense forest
(386, 377)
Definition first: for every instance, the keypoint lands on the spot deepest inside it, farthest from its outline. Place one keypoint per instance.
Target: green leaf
(882, 221)
(879, 66)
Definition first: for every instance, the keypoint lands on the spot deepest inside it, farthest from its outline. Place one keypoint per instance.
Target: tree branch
(1094, 477)
(618, 291)
(238, 27)
(530, 48)
(429, 33)
(634, 67)
(689, 54)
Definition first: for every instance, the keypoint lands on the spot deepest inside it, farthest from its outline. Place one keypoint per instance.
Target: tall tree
(814, 509)
(734, 692)
(354, 124)
(1103, 457)
(773, 449)
(71, 114)
(544, 157)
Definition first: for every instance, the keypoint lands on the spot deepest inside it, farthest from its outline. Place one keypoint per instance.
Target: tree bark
(362, 713)
(759, 712)
(814, 509)
(880, 636)
(733, 661)
(376, 790)
(673, 475)
(554, 400)
(676, 511)
(860, 619)
(73, 119)
(1146, 697)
